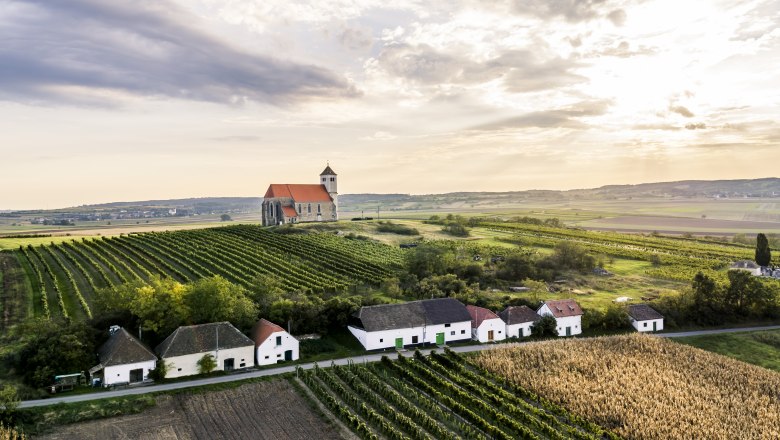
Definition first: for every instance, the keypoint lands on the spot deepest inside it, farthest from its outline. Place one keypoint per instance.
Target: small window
(179, 369)
(381, 340)
(414, 339)
(324, 179)
(319, 209)
(452, 333)
(279, 355)
(332, 179)
(267, 357)
(309, 208)
(243, 364)
(463, 332)
(117, 374)
(644, 325)
(278, 340)
(447, 325)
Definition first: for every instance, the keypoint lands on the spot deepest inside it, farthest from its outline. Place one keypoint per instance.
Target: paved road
(291, 368)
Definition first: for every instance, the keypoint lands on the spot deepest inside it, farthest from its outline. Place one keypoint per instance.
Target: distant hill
(751, 188)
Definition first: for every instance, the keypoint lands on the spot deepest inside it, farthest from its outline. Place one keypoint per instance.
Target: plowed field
(268, 410)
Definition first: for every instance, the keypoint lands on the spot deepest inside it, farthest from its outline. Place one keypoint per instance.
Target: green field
(758, 348)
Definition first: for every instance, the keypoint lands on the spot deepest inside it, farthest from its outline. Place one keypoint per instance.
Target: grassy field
(758, 348)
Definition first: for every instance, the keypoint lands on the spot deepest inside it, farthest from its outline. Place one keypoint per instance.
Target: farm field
(441, 396)
(758, 348)
(266, 410)
(64, 277)
(644, 387)
(680, 225)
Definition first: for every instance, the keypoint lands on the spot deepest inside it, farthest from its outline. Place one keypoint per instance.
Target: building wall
(496, 324)
(268, 352)
(521, 330)
(121, 373)
(187, 365)
(647, 326)
(575, 322)
(456, 331)
(327, 212)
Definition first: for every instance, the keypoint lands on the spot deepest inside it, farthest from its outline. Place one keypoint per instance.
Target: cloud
(681, 110)
(566, 117)
(696, 126)
(90, 51)
(355, 38)
(522, 70)
(617, 17)
(623, 50)
(571, 10)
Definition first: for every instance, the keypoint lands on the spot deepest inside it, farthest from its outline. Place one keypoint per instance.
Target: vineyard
(644, 387)
(442, 396)
(677, 258)
(64, 277)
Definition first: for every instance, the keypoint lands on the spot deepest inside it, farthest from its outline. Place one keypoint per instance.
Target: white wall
(519, 330)
(189, 363)
(647, 326)
(121, 373)
(496, 324)
(268, 352)
(386, 338)
(574, 322)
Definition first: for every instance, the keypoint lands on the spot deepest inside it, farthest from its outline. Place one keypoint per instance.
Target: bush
(546, 326)
(456, 229)
(394, 228)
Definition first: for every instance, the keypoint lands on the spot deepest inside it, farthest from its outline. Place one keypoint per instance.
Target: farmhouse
(644, 318)
(486, 326)
(518, 320)
(298, 203)
(187, 345)
(273, 344)
(567, 314)
(123, 359)
(428, 321)
(750, 266)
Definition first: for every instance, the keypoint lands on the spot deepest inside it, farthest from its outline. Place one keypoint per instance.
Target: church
(299, 203)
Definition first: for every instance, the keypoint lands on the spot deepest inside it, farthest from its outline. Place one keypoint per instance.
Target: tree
(216, 299)
(9, 401)
(206, 364)
(160, 371)
(535, 290)
(264, 290)
(746, 294)
(615, 317)
(427, 260)
(56, 349)
(225, 218)
(160, 305)
(546, 326)
(763, 254)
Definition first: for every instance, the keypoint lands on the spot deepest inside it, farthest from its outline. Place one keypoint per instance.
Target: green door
(399, 343)
(439, 338)
(654, 323)
(288, 355)
(568, 331)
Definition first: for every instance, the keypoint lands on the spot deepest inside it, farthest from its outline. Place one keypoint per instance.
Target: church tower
(329, 178)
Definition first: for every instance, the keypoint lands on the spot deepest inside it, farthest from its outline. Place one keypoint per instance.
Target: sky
(152, 99)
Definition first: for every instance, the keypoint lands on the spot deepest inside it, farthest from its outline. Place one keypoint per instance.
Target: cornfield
(644, 387)
(10, 433)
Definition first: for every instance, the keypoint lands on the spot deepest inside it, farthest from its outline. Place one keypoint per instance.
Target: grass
(14, 243)
(760, 348)
(336, 344)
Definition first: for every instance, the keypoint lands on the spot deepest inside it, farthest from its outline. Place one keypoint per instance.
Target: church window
(324, 179)
(309, 208)
(319, 209)
(332, 179)
(299, 208)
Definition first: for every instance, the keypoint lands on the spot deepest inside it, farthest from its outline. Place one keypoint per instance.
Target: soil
(267, 410)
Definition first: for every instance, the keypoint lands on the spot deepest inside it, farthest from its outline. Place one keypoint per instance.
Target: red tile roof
(564, 307)
(301, 193)
(263, 329)
(479, 314)
(289, 211)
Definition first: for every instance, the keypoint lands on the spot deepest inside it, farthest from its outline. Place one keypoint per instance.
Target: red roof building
(486, 326)
(297, 203)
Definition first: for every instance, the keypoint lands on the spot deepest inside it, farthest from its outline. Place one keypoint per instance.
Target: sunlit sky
(115, 100)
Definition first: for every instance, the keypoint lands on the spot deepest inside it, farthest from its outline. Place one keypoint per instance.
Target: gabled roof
(643, 312)
(480, 314)
(289, 211)
(328, 171)
(300, 193)
(122, 348)
(202, 338)
(518, 315)
(411, 314)
(263, 329)
(562, 308)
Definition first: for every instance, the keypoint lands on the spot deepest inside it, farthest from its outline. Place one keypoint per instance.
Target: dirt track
(268, 410)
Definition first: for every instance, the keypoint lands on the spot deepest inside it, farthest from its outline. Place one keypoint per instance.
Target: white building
(123, 360)
(187, 345)
(567, 314)
(518, 320)
(431, 321)
(644, 318)
(273, 344)
(486, 326)
(747, 265)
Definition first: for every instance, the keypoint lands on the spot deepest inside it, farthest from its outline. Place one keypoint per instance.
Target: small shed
(644, 318)
(486, 326)
(518, 320)
(123, 360)
(273, 344)
(567, 314)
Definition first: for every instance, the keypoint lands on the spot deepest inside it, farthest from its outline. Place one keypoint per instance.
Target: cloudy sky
(105, 101)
